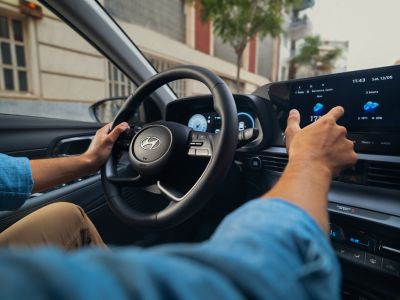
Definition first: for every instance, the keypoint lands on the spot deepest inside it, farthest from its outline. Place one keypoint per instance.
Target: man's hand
(322, 143)
(48, 173)
(102, 144)
(316, 153)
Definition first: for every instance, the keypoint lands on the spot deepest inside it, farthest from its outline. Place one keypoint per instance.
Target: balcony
(299, 28)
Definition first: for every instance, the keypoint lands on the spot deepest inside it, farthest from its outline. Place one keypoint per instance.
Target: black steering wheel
(158, 148)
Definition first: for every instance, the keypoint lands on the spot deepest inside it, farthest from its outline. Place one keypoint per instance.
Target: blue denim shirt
(266, 249)
(15, 181)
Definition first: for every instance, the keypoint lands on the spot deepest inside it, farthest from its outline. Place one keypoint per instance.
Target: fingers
(293, 125)
(105, 129)
(114, 134)
(336, 113)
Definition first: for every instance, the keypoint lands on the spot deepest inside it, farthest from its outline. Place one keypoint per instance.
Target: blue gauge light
(198, 122)
(245, 121)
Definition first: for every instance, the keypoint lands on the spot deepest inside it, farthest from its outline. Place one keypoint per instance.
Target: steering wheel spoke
(126, 181)
(201, 144)
(173, 195)
(121, 174)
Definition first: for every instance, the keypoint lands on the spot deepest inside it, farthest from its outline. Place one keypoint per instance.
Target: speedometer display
(198, 122)
(211, 122)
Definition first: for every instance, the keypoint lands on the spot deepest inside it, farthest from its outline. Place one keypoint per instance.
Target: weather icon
(318, 109)
(371, 107)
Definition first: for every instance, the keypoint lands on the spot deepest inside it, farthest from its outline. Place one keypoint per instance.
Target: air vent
(365, 172)
(274, 161)
(383, 174)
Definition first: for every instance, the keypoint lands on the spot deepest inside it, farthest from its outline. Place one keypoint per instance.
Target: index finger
(336, 113)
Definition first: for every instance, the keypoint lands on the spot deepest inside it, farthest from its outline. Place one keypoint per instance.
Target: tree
(310, 54)
(237, 22)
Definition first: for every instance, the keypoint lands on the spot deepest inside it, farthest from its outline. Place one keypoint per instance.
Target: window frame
(30, 47)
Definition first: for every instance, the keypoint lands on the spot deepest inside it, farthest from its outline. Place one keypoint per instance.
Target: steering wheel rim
(222, 148)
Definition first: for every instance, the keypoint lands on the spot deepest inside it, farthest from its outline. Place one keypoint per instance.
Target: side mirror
(104, 111)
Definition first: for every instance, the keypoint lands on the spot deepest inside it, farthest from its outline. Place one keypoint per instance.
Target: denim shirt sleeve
(15, 181)
(267, 249)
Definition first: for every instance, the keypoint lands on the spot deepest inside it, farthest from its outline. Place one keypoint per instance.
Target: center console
(364, 201)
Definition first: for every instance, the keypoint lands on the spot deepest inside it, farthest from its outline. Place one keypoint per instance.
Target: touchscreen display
(371, 98)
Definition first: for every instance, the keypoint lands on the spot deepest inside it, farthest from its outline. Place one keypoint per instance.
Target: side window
(49, 70)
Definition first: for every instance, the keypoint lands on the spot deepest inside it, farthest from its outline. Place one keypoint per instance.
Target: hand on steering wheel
(158, 148)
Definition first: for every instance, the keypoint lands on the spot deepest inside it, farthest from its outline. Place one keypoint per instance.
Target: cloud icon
(370, 106)
(318, 109)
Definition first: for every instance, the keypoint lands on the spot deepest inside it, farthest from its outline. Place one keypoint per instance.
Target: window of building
(118, 84)
(178, 86)
(13, 65)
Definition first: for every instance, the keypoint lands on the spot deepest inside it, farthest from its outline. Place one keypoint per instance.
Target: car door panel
(36, 137)
(88, 194)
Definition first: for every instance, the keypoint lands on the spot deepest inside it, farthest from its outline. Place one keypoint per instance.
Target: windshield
(312, 37)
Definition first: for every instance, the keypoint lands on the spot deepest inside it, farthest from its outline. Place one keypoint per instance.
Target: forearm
(48, 173)
(306, 185)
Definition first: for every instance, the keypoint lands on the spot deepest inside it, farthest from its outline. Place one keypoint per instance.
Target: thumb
(293, 126)
(114, 134)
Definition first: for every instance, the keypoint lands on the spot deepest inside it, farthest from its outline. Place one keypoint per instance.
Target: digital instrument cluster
(211, 122)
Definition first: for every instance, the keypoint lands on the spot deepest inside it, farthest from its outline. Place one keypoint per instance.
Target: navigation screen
(371, 98)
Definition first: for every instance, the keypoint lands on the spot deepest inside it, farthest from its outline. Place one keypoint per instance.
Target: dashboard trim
(364, 156)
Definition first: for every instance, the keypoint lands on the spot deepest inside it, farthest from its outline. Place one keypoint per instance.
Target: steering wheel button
(202, 152)
(192, 152)
(202, 136)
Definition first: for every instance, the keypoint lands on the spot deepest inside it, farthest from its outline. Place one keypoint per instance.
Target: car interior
(214, 152)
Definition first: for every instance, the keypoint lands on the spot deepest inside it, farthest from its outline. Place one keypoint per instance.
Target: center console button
(373, 261)
(255, 163)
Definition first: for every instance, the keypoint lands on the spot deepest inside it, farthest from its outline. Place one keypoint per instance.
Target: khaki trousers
(64, 225)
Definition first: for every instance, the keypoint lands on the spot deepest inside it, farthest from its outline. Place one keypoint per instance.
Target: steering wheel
(159, 147)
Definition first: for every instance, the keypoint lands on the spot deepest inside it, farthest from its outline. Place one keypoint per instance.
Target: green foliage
(238, 21)
(310, 54)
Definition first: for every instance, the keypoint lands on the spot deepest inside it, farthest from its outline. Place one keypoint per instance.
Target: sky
(371, 26)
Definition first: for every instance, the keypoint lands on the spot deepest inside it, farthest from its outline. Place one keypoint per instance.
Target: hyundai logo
(150, 143)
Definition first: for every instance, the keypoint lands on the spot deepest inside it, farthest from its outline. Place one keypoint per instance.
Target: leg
(60, 224)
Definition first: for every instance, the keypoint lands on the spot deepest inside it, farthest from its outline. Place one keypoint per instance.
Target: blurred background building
(340, 64)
